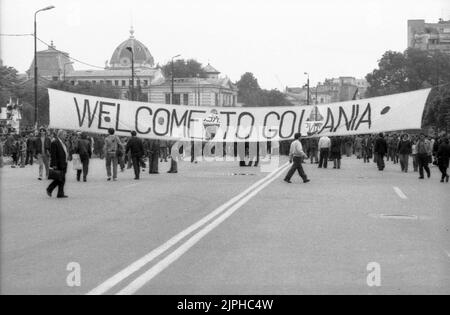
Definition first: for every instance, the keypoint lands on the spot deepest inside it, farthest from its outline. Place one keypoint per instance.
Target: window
(101, 82)
(216, 99)
(167, 98)
(93, 82)
(55, 78)
(108, 82)
(176, 98)
(138, 82)
(116, 82)
(72, 82)
(145, 82)
(185, 99)
(124, 83)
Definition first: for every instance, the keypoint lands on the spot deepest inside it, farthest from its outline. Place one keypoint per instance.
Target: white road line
(176, 254)
(400, 193)
(447, 253)
(135, 266)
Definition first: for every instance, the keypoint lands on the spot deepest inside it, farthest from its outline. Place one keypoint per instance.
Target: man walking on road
(443, 156)
(423, 153)
(296, 156)
(112, 145)
(136, 148)
(380, 150)
(324, 149)
(58, 161)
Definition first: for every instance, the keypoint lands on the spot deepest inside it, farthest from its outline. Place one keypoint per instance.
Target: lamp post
(172, 88)
(130, 49)
(307, 89)
(35, 65)
(64, 76)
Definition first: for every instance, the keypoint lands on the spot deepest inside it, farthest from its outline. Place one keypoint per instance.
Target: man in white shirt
(324, 149)
(296, 156)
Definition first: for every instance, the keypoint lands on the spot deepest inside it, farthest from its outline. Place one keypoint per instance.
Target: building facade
(429, 36)
(149, 79)
(330, 91)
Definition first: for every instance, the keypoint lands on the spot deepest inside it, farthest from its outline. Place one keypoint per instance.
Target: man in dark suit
(153, 156)
(380, 150)
(58, 161)
(136, 148)
(83, 148)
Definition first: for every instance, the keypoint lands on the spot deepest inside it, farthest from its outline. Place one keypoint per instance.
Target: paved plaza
(216, 228)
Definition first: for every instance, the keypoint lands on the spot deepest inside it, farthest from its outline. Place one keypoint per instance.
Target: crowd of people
(422, 150)
(52, 150)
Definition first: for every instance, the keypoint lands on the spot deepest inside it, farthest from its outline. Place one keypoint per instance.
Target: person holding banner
(296, 156)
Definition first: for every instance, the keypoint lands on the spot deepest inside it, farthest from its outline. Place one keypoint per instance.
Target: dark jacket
(380, 146)
(135, 146)
(83, 148)
(47, 143)
(58, 158)
(404, 147)
(335, 145)
(31, 144)
(443, 154)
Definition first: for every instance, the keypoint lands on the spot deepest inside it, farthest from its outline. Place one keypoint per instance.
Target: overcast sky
(277, 40)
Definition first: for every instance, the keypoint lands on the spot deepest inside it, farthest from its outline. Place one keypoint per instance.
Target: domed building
(117, 71)
(121, 58)
(153, 86)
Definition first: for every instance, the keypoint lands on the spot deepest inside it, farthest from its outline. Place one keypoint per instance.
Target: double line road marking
(222, 213)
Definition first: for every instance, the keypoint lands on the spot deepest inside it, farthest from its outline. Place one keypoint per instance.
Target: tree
(251, 94)
(412, 70)
(8, 81)
(184, 69)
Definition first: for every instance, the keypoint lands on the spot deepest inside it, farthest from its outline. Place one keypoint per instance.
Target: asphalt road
(207, 230)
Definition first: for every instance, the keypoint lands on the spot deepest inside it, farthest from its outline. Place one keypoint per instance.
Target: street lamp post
(35, 65)
(307, 90)
(172, 87)
(132, 72)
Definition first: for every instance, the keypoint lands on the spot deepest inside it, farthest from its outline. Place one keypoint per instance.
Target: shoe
(306, 181)
(136, 178)
(428, 175)
(442, 180)
(63, 196)
(39, 178)
(115, 179)
(421, 177)
(287, 181)
(446, 178)
(109, 178)
(49, 193)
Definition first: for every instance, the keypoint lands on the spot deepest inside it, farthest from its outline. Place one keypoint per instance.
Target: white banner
(177, 122)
